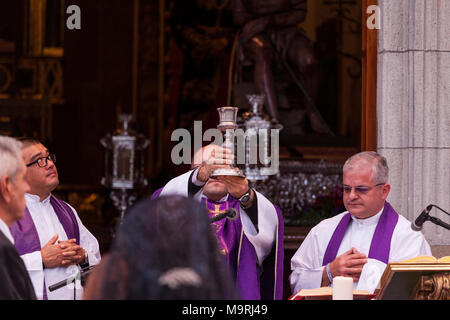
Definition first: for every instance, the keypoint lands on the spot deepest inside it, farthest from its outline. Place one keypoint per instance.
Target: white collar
(33, 198)
(4, 228)
(368, 221)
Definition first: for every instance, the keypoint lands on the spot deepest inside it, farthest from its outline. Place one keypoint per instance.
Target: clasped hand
(349, 264)
(61, 253)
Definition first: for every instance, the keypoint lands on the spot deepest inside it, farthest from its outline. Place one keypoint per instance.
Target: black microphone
(231, 214)
(81, 275)
(417, 224)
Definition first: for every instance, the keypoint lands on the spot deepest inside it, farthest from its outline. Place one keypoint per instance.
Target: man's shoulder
(177, 185)
(6, 247)
(260, 197)
(404, 225)
(63, 202)
(329, 222)
(334, 219)
(3, 240)
(182, 176)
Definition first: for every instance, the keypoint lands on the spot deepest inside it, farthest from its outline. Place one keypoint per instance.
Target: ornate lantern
(124, 164)
(259, 135)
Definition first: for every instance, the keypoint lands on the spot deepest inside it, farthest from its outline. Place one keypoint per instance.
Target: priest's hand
(54, 256)
(349, 264)
(219, 158)
(236, 186)
(76, 253)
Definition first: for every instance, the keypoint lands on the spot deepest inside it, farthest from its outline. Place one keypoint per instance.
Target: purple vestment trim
(380, 246)
(241, 257)
(243, 261)
(156, 193)
(26, 238)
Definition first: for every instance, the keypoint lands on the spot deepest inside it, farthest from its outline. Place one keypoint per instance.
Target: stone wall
(413, 107)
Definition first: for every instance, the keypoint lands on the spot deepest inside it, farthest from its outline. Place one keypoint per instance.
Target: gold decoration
(433, 287)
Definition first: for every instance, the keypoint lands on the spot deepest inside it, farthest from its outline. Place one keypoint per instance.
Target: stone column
(413, 107)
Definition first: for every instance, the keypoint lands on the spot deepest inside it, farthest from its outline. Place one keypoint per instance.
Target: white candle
(342, 288)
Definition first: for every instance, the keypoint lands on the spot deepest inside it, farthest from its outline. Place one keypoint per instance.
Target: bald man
(252, 244)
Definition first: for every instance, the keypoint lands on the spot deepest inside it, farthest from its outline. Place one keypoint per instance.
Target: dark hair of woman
(164, 249)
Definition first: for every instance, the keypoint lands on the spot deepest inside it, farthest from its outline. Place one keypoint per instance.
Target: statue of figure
(271, 38)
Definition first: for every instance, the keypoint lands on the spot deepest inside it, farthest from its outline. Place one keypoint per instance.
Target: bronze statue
(270, 37)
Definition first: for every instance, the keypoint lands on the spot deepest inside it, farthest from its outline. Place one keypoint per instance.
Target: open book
(326, 293)
(427, 259)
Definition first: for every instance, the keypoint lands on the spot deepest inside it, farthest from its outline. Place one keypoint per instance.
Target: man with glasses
(51, 238)
(360, 242)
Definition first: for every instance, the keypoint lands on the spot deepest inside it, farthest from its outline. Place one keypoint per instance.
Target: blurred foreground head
(164, 249)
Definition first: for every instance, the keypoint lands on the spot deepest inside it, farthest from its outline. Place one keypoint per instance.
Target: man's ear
(386, 190)
(5, 188)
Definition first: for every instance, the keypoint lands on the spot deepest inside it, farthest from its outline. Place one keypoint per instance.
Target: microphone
(439, 222)
(81, 275)
(231, 214)
(417, 224)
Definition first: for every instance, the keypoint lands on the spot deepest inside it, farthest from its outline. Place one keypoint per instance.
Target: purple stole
(156, 193)
(26, 238)
(241, 255)
(380, 246)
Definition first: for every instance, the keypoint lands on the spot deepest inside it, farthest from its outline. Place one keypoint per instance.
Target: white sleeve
(88, 242)
(263, 239)
(195, 180)
(371, 275)
(33, 264)
(33, 261)
(406, 243)
(306, 268)
(177, 186)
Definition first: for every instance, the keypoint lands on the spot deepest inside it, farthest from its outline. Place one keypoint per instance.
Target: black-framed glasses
(42, 162)
(360, 189)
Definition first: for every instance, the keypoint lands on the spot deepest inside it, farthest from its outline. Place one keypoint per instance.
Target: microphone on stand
(82, 275)
(439, 222)
(417, 225)
(420, 220)
(231, 214)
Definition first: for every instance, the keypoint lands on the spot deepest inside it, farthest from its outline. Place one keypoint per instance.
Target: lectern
(416, 280)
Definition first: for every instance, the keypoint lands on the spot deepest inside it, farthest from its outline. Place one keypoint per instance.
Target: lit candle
(342, 288)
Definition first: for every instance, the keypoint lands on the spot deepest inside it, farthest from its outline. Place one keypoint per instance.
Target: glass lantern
(124, 164)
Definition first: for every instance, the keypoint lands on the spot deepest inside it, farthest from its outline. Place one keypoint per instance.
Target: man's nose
(353, 194)
(50, 163)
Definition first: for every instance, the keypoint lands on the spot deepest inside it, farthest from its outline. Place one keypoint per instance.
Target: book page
(421, 259)
(445, 259)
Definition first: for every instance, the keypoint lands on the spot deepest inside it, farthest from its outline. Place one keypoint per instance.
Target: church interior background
(169, 63)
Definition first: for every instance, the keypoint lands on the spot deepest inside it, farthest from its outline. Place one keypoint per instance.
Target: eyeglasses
(360, 189)
(42, 162)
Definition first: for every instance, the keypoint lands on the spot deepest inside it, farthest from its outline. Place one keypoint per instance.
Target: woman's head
(170, 252)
